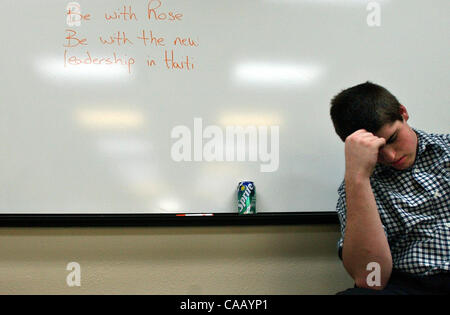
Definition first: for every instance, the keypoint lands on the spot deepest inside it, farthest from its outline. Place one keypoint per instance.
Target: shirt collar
(423, 141)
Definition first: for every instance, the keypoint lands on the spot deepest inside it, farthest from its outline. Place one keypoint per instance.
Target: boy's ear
(404, 113)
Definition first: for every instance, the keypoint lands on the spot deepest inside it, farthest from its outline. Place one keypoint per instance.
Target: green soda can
(246, 198)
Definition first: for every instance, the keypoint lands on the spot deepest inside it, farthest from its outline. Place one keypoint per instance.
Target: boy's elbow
(375, 277)
(364, 284)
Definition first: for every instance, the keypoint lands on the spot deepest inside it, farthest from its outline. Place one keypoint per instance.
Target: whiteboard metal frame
(142, 220)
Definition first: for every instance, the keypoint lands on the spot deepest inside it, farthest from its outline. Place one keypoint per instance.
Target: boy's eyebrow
(391, 137)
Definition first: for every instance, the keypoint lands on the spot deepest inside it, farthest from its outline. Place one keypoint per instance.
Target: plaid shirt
(414, 208)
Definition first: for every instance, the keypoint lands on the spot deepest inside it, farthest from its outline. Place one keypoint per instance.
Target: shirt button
(437, 194)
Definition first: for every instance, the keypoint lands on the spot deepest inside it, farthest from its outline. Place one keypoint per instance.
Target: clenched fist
(361, 153)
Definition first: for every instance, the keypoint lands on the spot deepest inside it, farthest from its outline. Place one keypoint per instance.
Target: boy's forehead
(387, 130)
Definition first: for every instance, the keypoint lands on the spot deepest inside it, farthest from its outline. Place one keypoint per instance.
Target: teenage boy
(393, 204)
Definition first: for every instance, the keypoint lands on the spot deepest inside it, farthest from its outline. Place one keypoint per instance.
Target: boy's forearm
(365, 240)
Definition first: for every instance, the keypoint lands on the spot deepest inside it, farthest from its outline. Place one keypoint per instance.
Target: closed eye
(392, 138)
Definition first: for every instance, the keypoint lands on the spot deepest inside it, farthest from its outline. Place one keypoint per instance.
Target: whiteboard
(163, 106)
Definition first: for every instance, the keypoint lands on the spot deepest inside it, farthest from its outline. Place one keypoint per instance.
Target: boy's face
(401, 144)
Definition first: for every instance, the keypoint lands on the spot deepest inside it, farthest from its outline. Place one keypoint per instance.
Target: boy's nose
(387, 155)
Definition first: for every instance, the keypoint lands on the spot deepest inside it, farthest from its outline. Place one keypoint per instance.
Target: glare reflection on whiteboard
(326, 2)
(124, 147)
(169, 205)
(109, 118)
(277, 74)
(55, 68)
(250, 119)
(135, 171)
